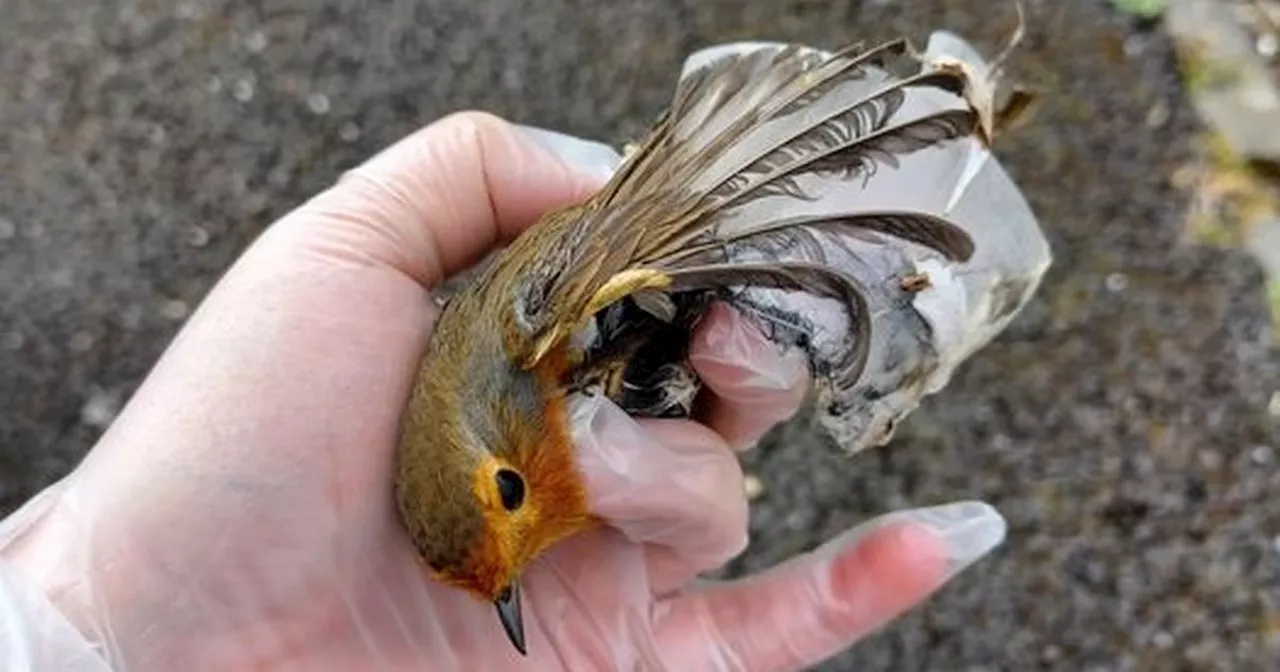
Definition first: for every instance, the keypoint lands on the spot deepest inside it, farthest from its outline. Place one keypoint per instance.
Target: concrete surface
(1121, 424)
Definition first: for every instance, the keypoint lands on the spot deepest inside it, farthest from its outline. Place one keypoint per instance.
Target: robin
(741, 182)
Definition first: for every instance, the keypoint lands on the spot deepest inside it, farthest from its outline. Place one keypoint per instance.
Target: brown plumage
(600, 296)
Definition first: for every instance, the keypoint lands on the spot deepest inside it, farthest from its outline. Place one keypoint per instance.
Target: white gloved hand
(238, 512)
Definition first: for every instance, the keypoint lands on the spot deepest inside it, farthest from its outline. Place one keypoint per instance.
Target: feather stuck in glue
(812, 191)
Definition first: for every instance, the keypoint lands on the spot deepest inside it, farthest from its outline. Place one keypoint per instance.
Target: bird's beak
(508, 604)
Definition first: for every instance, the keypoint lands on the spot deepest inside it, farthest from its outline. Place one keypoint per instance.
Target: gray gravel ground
(1121, 424)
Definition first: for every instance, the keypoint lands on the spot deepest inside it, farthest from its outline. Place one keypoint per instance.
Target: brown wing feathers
(854, 139)
(747, 127)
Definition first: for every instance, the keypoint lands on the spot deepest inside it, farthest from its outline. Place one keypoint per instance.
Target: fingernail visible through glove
(585, 155)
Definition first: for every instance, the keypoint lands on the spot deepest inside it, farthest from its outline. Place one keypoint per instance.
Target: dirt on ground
(1126, 424)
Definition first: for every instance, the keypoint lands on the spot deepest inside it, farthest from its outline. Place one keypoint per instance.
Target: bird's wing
(776, 148)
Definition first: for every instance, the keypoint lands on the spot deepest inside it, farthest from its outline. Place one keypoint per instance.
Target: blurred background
(1128, 423)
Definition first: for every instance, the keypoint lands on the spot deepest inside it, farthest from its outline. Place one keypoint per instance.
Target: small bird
(759, 155)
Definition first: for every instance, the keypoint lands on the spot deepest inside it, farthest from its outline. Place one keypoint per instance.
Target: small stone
(175, 309)
(1262, 455)
(1117, 282)
(242, 90)
(1158, 115)
(349, 132)
(100, 409)
(156, 134)
(318, 103)
(255, 42)
(1051, 653)
(280, 175)
(110, 67)
(40, 71)
(80, 342)
(197, 236)
(213, 84)
(1267, 45)
(512, 79)
(62, 278)
(131, 317)
(1162, 640)
(1275, 544)
(1210, 459)
(7, 228)
(35, 231)
(187, 10)
(753, 486)
(1134, 46)
(11, 340)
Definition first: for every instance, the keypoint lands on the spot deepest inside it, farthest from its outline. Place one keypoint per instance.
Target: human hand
(237, 514)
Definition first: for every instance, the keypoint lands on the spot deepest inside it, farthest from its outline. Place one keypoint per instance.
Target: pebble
(175, 309)
(255, 42)
(1267, 45)
(100, 408)
(131, 317)
(753, 486)
(242, 90)
(11, 340)
(197, 236)
(280, 175)
(7, 228)
(1134, 45)
(349, 132)
(157, 134)
(62, 278)
(318, 103)
(1117, 282)
(80, 342)
(1158, 115)
(40, 71)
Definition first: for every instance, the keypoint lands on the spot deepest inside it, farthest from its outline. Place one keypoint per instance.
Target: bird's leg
(604, 370)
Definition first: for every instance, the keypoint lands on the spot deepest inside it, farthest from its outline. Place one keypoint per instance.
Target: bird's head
(486, 477)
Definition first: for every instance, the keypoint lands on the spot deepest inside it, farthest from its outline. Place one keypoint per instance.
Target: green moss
(1146, 9)
(1231, 194)
(1199, 72)
(1214, 231)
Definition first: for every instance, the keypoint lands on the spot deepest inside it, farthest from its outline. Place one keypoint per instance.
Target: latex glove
(238, 515)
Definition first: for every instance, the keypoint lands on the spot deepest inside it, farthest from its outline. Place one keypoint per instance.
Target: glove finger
(670, 483)
(811, 607)
(582, 596)
(586, 156)
(753, 383)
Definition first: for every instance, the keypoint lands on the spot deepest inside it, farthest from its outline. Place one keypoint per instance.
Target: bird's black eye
(510, 488)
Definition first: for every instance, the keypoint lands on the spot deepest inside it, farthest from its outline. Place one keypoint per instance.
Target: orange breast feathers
(555, 504)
